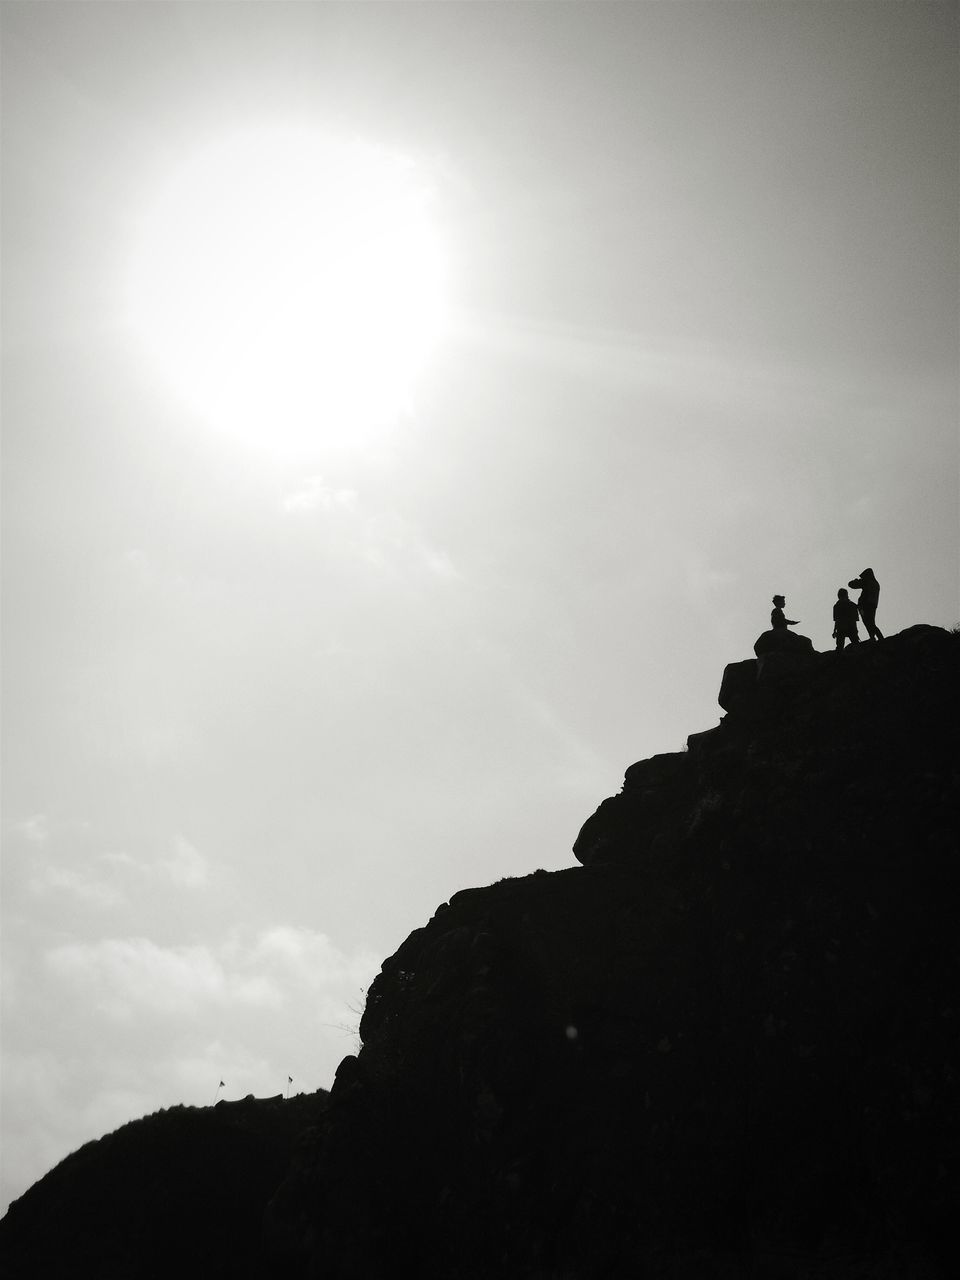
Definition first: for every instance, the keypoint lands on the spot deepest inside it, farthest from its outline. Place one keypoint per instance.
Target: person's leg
(869, 615)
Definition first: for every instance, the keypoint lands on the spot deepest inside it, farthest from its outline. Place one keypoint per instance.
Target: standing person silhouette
(778, 620)
(869, 589)
(845, 615)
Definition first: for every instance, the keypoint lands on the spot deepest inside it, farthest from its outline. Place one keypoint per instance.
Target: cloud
(81, 883)
(315, 495)
(439, 564)
(395, 548)
(108, 879)
(127, 977)
(309, 959)
(119, 859)
(385, 540)
(186, 867)
(36, 829)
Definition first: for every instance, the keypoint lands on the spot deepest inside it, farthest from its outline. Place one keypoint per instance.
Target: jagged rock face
(725, 1046)
(806, 741)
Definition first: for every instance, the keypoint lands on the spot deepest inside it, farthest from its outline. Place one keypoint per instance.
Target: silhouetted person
(845, 614)
(869, 589)
(780, 638)
(777, 619)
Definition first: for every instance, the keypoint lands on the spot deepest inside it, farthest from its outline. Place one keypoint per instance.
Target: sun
(290, 287)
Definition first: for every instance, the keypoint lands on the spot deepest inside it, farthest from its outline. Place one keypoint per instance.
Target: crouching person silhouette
(845, 614)
(869, 589)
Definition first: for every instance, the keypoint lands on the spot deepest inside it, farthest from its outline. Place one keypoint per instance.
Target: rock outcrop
(724, 1046)
(781, 640)
(804, 735)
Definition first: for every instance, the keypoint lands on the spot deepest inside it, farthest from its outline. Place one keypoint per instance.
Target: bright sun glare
(290, 287)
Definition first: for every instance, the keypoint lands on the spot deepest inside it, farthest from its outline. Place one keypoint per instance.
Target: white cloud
(384, 540)
(127, 977)
(440, 565)
(395, 548)
(108, 879)
(186, 867)
(315, 495)
(309, 959)
(118, 859)
(81, 883)
(36, 828)
(131, 975)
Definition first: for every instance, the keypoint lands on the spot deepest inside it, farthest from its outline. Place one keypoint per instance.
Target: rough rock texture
(725, 1046)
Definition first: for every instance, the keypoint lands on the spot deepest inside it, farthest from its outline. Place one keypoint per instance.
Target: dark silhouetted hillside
(725, 1046)
(180, 1193)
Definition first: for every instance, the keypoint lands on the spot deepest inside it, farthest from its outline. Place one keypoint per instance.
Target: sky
(408, 409)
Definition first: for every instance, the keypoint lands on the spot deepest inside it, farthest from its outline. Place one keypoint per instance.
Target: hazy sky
(408, 409)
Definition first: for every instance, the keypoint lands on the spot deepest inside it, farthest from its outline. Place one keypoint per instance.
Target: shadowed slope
(178, 1193)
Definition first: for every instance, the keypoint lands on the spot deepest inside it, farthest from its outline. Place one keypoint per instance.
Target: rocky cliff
(726, 1045)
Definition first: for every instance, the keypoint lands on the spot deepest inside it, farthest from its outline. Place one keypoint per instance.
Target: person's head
(867, 573)
(779, 601)
(842, 593)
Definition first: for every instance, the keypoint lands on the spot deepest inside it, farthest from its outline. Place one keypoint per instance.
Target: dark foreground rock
(823, 749)
(780, 640)
(726, 1046)
(180, 1193)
